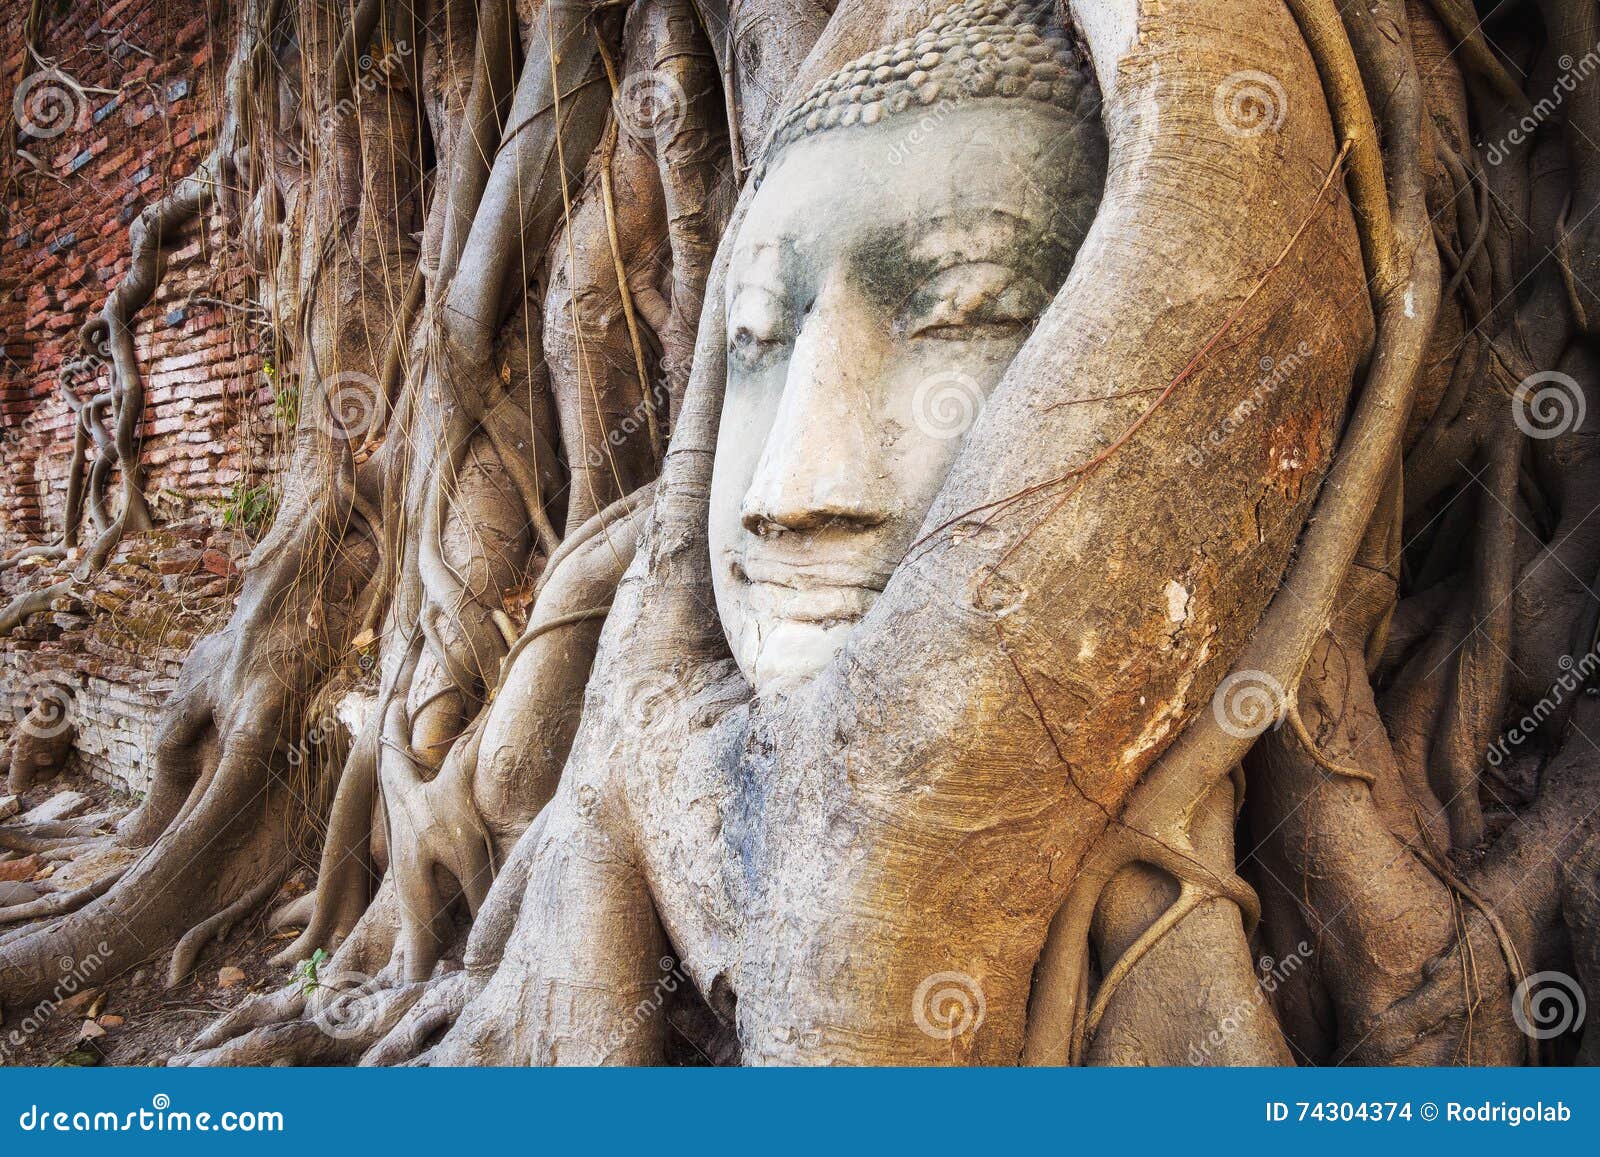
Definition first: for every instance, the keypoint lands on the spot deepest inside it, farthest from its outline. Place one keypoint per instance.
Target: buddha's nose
(822, 464)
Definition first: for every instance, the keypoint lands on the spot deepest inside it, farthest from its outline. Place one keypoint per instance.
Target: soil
(142, 1021)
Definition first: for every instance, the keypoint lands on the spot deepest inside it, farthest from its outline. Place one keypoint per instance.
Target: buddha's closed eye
(973, 301)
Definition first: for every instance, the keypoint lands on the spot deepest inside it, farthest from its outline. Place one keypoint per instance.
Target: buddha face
(875, 297)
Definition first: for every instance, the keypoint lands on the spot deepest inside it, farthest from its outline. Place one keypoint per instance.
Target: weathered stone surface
(123, 662)
(179, 560)
(217, 563)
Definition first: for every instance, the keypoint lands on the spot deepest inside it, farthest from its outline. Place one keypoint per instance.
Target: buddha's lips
(810, 592)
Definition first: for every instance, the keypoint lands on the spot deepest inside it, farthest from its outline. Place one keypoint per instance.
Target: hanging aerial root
(1189, 898)
(1297, 724)
(1508, 947)
(1062, 982)
(1297, 616)
(608, 152)
(1404, 274)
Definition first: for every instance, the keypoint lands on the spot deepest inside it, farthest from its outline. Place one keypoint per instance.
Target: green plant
(286, 406)
(306, 971)
(285, 399)
(249, 508)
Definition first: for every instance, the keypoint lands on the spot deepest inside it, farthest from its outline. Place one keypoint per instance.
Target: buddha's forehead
(987, 172)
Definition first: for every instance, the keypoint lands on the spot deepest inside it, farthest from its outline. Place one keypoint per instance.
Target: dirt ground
(133, 1018)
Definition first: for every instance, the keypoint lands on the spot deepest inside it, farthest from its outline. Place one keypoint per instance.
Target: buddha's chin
(790, 652)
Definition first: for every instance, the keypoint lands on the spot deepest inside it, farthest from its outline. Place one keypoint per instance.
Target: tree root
(429, 1017)
(333, 1023)
(216, 927)
(60, 903)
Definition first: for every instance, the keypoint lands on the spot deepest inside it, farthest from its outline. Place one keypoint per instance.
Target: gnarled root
(1180, 982)
(601, 378)
(431, 1013)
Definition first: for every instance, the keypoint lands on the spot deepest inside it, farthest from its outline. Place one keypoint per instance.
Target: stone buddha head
(915, 215)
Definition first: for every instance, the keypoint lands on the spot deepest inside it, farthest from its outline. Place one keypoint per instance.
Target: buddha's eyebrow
(892, 262)
(885, 263)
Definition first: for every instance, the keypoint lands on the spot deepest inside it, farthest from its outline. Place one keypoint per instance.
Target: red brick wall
(148, 74)
(142, 81)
